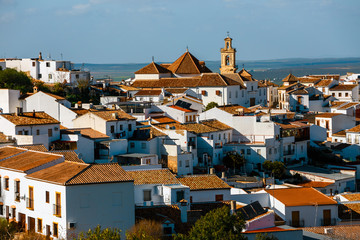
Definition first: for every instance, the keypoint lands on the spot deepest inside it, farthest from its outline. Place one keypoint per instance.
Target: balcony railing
(300, 223)
(17, 196)
(328, 222)
(30, 203)
(57, 210)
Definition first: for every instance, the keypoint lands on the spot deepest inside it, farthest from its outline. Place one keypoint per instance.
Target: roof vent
(329, 231)
(115, 115)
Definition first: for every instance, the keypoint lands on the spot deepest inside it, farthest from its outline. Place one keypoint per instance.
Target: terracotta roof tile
(176, 90)
(34, 147)
(348, 232)
(152, 68)
(352, 196)
(101, 173)
(323, 83)
(54, 96)
(85, 132)
(163, 119)
(148, 93)
(182, 109)
(348, 105)
(188, 64)
(336, 104)
(355, 129)
(107, 115)
(69, 155)
(8, 151)
(301, 197)
(343, 87)
(327, 115)
(27, 160)
(315, 184)
(163, 176)
(80, 111)
(28, 118)
(203, 182)
(198, 128)
(127, 88)
(4, 138)
(290, 78)
(341, 133)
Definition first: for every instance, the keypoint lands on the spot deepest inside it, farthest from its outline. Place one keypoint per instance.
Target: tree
(12, 79)
(211, 105)
(7, 230)
(217, 224)
(234, 160)
(277, 168)
(145, 230)
(97, 233)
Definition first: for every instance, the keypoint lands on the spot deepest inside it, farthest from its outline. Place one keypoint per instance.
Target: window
(147, 195)
(39, 76)
(236, 94)
(30, 200)
(26, 132)
(6, 183)
(121, 127)
(132, 145)
(248, 151)
(57, 205)
(33, 64)
(242, 151)
(346, 94)
(39, 225)
(219, 197)
(14, 213)
(50, 76)
(77, 76)
(242, 93)
(219, 136)
(229, 94)
(186, 118)
(218, 92)
(19, 132)
(47, 64)
(340, 94)
(50, 132)
(17, 190)
(333, 94)
(112, 129)
(1, 209)
(55, 230)
(270, 151)
(143, 145)
(180, 195)
(187, 163)
(47, 197)
(180, 163)
(211, 137)
(37, 132)
(130, 127)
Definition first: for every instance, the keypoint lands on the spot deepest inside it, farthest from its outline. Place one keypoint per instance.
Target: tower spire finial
(227, 33)
(152, 58)
(187, 48)
(243, 66)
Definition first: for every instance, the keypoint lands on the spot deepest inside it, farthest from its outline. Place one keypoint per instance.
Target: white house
(48, 71)
(206, 188)
(303, 207)
(114, 123)
(157, 187)
(56, 106)
(58, 198)
(334, 122)
(30, 127)
(345, 92)
(10, 100)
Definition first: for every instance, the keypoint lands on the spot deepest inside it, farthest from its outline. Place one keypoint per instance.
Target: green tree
(217, 224)
(234, 160)
(7, 230)
(265, 236)
(97, 233)
(277, 168)
(211, 105)
(12, 79)
(145, 230)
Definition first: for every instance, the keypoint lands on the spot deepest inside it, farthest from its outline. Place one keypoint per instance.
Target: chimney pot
(232, 207)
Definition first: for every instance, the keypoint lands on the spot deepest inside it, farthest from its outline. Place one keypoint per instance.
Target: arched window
(227, 45)
(227, 60)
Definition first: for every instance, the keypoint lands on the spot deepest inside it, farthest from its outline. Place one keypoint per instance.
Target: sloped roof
(188, 64)
(300, 92)
(152, 68)
(290, 78)
(8, 151)
(206, 126)
(34, 147)
(246, 75)
(148, 93)
(343, 87)
(54, 96)
(30, 118)
(348, 105)
(159, 176)
(85, 132)
(323, 83)
(328, 115)
(101, 173)
(355, 129)
(107, 115)
(301, 197)
(352, 196)
(315, 184)
(203, 182)
(205, 80)
(182, 109)
(69, 155)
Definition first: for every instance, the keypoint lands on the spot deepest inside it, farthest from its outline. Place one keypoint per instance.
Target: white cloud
(7, 17)
(76, 9)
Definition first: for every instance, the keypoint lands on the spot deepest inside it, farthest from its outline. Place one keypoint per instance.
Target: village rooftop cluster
(177, 141)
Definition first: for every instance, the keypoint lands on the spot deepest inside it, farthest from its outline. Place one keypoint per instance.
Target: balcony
(291, 152)
(57, 210)
(30, 203)
(17, 196)
(300, 223)
(328, 221)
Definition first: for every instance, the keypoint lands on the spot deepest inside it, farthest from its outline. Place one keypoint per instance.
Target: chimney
(223, 177)
(331, 192)
(18, 111)
(115, 115)
(35, 89)
(114, 107)
(212, 170)
(232, 207)
(79, 103)
(183, 210)
(33, 114)
(40, 56)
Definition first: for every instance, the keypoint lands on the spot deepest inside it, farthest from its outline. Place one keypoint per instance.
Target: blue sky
(132, 31)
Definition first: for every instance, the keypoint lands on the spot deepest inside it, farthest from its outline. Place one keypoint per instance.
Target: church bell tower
(228, 57)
